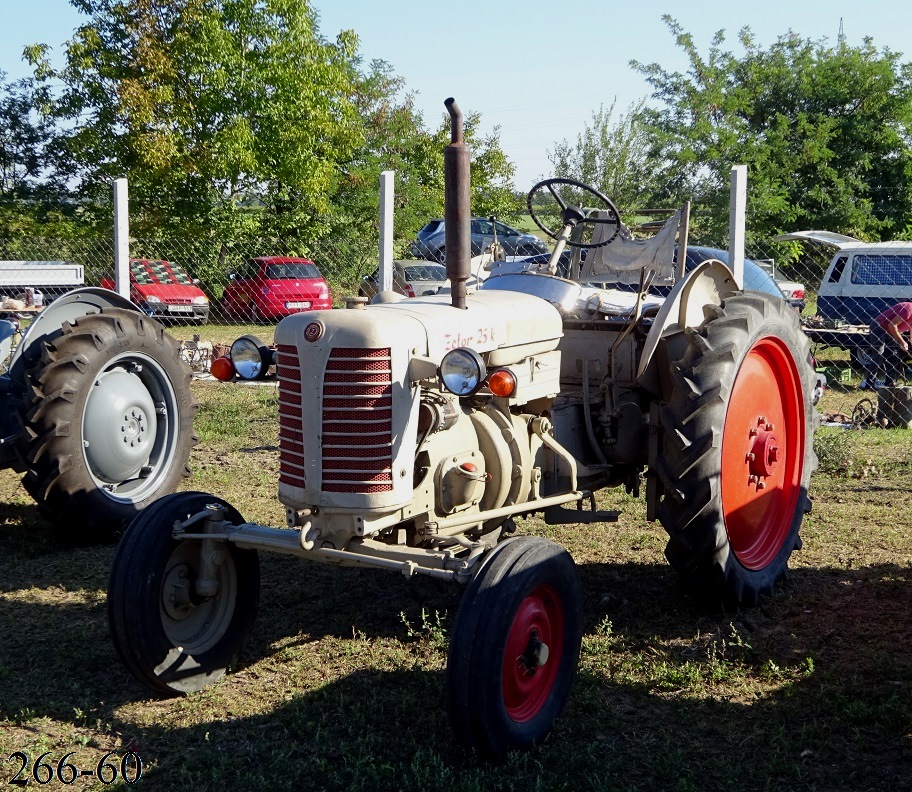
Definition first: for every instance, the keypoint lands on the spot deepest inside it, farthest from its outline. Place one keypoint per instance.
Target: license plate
(297, 305)
(180, 309)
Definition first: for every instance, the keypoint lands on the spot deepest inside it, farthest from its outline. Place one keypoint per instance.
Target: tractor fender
(72, 305)
(709, 283)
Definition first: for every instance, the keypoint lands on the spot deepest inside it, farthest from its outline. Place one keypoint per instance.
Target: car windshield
(425, 272)
(293, 270)
(755, 277)
(163, 272)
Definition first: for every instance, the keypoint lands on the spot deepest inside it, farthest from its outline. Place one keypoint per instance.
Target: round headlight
(462, 371)
(251, 357)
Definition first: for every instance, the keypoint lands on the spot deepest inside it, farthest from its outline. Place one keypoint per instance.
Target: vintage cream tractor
(413, 432)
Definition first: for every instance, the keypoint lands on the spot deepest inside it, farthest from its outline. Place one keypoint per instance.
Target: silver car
(431, 241)
(411, 278)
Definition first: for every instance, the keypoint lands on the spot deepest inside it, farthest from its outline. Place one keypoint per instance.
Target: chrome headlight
(462, 371)
(251, 357)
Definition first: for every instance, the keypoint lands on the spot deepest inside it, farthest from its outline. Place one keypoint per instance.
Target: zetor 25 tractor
(97, 412)
(413, 432)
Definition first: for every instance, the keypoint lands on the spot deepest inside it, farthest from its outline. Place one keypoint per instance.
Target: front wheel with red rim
(736, 450)
(514, 647)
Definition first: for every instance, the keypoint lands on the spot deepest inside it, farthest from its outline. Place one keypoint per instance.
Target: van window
(882, 270)
(838, 267)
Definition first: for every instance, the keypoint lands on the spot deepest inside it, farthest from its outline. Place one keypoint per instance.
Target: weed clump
(834, 449)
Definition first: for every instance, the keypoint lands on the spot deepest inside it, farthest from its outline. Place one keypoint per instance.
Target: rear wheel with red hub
(736, 451)
(514, 647)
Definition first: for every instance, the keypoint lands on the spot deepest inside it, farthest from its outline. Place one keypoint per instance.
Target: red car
(272, 287)
(164, 290)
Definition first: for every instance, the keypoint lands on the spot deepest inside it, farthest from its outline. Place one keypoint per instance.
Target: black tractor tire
(168, 638)
(110, 425)
(736, 450)
(504, 690)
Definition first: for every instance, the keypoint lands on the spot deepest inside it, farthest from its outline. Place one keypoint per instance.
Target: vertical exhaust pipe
(458, 210)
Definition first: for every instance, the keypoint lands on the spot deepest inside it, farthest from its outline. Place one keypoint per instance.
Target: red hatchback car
(163, 289)
(272, 287)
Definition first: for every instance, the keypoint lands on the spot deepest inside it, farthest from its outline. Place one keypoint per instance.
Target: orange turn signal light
(502, 383)
(222, 369)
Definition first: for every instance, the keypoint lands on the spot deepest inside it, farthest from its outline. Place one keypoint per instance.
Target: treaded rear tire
(729, 538)
(76, 367)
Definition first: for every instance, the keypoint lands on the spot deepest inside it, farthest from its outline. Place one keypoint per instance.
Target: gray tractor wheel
(736, 450)
(110, 427)
(169, 636)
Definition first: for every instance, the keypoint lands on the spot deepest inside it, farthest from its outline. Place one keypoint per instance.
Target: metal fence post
(121, 239)
(736, 221)
(387, 193)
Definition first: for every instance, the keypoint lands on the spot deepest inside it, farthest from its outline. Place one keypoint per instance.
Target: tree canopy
(237, 117)
(615, 157)
(824, 130)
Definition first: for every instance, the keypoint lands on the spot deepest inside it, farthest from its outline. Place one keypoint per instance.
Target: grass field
(342, 684)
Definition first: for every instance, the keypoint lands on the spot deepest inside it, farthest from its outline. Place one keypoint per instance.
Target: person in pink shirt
(889, 349)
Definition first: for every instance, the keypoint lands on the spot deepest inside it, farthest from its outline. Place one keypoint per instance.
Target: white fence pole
(736, 222)
(121, 239)
(387, 193)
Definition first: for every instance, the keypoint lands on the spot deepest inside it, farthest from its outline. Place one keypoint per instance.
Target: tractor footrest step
(558, 515)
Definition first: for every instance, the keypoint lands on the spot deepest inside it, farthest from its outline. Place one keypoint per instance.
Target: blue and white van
(863, 278)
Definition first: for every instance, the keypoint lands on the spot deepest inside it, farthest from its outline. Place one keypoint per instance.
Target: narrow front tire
(169, 636)
(514, 647)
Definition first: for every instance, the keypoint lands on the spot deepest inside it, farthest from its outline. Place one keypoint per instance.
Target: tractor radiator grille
(358, 421)
(291, 425)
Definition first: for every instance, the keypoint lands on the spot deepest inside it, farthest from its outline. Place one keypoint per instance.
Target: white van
(863, 278)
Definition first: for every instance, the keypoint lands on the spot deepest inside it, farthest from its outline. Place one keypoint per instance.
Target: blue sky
(536, 69)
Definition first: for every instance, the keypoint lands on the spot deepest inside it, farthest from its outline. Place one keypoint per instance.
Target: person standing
(888, 347)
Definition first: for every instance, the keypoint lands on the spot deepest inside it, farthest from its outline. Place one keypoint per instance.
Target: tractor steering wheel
(576, 215)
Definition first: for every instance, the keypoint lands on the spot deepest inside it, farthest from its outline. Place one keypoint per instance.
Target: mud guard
(708, 284)
(72, 305)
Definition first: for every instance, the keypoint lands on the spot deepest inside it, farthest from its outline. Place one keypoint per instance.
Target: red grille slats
(355, 352)
(358, 390)
(356, 376)
(357, 421)
(356, 426)
(356, 414)
(332, 464)
(291, 423)
(345, 452)
(358, 403)
(359, 365)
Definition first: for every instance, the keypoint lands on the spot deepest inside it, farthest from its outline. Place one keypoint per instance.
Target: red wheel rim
(532, 656)
(762, 453)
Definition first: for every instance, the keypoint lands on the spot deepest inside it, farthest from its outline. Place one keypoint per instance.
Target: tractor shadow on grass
(342, 685)
(662, 701)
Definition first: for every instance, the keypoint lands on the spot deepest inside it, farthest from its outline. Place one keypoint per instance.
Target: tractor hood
(505, 326)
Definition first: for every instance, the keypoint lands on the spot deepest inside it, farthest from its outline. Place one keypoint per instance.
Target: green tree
(396, 139)
(824, 131)
(32, 201)
(614, 156)
(227, 116)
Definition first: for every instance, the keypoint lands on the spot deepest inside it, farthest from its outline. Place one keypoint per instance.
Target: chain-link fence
(840, 286)
(855, 300)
